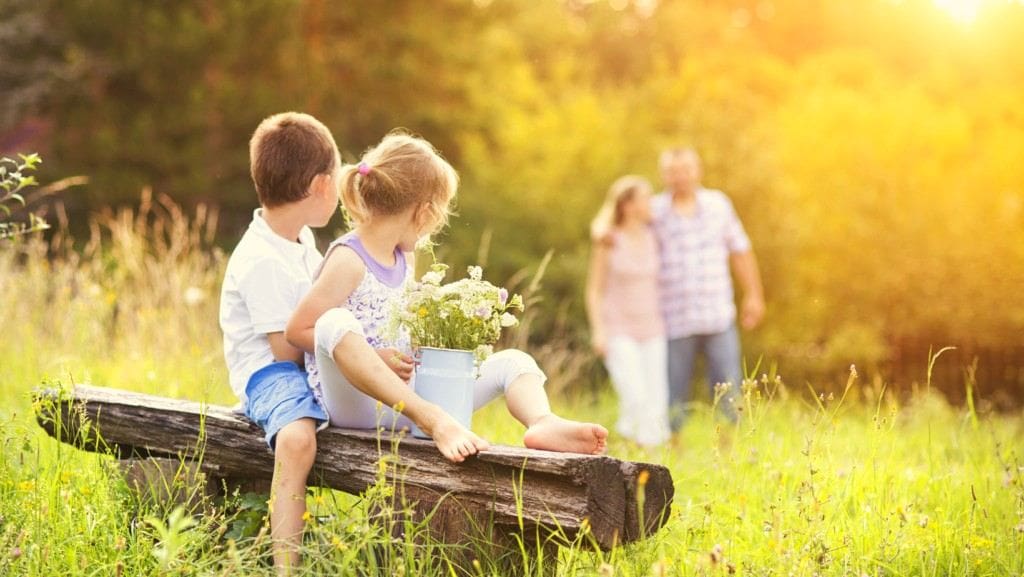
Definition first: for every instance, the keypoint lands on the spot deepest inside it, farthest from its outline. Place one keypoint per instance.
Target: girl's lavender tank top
(392, 276)
(372, 303)
(382, 289)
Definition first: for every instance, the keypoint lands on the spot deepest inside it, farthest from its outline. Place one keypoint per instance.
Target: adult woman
(626, 324)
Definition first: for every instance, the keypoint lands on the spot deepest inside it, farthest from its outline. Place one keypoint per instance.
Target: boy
(295, 166)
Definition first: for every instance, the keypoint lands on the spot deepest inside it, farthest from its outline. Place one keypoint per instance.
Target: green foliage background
(871, 147)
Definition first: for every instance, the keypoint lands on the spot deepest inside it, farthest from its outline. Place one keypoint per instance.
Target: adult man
(699, 237)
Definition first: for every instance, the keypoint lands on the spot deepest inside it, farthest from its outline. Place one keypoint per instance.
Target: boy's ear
(321, 185)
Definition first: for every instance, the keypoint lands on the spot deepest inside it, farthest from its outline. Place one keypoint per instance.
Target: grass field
(870, 484)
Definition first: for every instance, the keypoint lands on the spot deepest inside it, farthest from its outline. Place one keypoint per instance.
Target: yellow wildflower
(980, 543)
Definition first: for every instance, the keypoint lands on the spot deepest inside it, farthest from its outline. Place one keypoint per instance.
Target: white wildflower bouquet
(467, 314)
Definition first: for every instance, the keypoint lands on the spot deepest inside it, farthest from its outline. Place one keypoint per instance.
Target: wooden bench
(519, 491)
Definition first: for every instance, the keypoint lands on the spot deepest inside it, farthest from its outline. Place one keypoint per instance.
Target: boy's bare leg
(361, 365)
(528, 402)
(295, 450)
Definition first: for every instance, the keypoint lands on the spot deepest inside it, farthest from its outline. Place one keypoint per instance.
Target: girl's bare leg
(528, 402)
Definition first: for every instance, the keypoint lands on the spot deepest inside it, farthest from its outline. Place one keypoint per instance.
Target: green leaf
(31, 160)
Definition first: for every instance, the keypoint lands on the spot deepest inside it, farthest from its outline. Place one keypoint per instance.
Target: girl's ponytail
(402, 171)
(351, 198)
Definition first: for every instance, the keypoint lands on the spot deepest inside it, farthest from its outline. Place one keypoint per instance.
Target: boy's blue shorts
(279, 394)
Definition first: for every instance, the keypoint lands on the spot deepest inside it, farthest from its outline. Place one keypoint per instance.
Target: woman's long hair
(611, 213)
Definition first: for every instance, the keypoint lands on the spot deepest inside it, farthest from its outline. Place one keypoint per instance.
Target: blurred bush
(871, 147)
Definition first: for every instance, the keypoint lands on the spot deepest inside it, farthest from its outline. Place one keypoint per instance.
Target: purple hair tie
(364, 169)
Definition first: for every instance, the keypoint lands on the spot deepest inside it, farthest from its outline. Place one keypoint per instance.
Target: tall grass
(134, 305)
(864, 483)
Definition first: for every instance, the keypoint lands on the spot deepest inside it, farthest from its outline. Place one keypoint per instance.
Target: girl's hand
(397, 361)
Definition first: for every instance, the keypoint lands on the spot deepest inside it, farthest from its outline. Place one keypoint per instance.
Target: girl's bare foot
(455, 441)
(553, 433)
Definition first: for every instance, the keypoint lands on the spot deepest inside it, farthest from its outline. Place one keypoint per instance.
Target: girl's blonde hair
(610, 215)
(402, 171)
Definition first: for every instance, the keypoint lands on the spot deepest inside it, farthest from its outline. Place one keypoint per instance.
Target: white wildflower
(433, 278)
(467, 314)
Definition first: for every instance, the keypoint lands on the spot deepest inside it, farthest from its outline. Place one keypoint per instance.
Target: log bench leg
(475, 533)
(167, 480)
(176, 482)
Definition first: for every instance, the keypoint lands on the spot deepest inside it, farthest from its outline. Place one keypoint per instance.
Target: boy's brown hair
(286, 152)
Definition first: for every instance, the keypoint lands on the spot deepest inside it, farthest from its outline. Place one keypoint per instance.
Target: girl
(622, 305)
(399, 194)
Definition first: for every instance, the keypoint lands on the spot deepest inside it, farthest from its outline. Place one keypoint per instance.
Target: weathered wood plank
(550, 489)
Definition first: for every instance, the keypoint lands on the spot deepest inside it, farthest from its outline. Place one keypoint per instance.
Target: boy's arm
(268, 292)
(341, 274)
(283, 350)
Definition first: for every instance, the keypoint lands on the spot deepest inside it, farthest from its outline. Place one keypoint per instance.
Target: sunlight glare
(962, 11)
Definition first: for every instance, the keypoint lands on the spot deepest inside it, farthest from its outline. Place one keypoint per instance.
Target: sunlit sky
(965, 11)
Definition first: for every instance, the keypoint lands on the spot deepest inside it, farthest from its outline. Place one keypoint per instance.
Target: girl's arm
(341, 274)
(597, 274)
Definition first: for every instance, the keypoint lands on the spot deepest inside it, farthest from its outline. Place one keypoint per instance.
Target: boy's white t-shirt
(267, 275)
